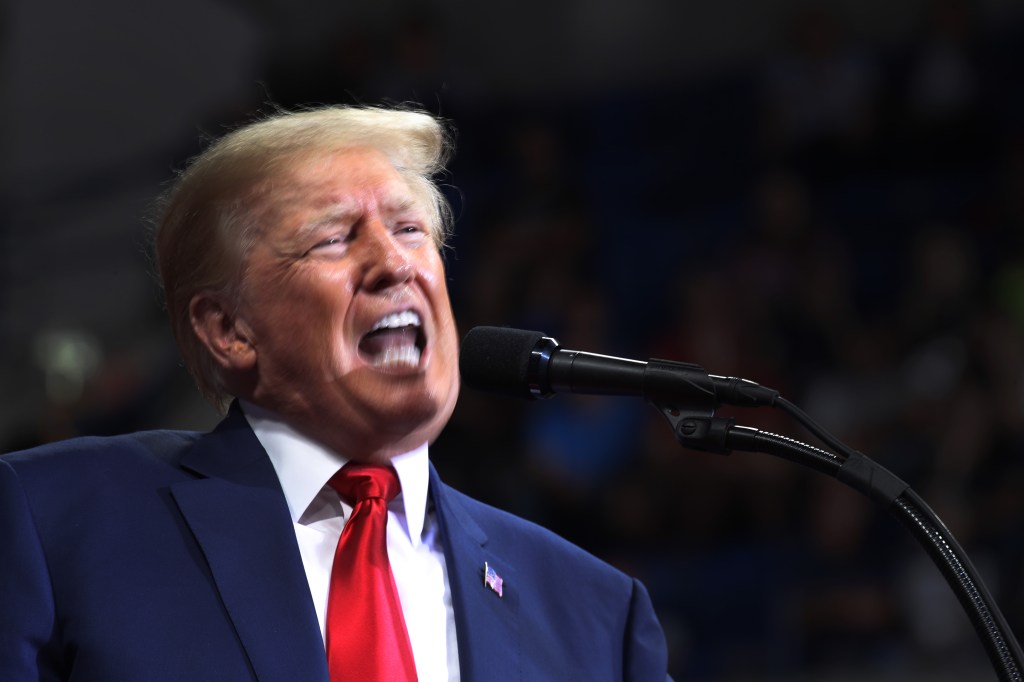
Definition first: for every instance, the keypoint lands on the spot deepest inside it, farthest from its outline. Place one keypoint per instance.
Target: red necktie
(366, 636)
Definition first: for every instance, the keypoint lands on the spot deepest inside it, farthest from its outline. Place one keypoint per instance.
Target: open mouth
(396, 341)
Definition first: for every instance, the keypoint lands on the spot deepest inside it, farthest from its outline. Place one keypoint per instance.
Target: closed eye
(335, 244)
(411, 233)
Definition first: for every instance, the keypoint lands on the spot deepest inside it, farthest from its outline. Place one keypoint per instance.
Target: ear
(225, 336)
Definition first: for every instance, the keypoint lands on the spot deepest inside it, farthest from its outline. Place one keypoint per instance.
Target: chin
(424, 421)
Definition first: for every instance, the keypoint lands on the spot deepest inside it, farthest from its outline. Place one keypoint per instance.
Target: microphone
(529, 364)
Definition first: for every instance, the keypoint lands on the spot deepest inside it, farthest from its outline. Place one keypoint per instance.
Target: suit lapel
(239, 518)
(487, 626)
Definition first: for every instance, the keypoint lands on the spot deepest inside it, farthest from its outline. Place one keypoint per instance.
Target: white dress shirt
(417, 558)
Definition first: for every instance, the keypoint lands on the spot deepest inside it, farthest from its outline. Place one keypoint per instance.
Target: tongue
(378, 342)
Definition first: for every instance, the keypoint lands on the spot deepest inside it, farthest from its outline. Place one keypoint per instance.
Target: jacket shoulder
(87, 456)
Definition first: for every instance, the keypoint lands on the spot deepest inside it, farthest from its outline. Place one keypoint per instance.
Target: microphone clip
(685, 395)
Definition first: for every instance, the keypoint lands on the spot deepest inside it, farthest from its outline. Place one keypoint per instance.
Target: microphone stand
(690, 410)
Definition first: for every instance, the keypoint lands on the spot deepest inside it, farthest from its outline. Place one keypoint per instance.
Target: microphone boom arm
(695, 426)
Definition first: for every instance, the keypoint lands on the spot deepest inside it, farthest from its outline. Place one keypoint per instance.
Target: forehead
(348, 175)
(313, 188)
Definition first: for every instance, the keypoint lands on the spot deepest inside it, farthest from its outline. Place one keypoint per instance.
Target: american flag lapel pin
(492, 579)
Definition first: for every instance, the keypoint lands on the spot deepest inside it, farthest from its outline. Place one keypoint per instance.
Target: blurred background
(826, 198)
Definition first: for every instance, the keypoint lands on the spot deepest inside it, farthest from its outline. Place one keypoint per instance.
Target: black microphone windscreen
(497, 359)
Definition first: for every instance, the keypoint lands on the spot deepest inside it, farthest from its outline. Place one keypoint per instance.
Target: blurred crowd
(842, 220)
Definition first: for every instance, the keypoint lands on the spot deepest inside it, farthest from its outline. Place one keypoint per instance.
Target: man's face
(344, 300)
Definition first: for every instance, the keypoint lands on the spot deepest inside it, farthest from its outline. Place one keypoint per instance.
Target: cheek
(448, 348)
(435, 282)
(431, 268)
(316, 315)
(322, 295)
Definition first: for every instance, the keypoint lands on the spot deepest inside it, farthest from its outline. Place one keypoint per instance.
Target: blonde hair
(208, 219)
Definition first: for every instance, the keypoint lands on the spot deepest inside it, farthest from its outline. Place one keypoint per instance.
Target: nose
(386, 262)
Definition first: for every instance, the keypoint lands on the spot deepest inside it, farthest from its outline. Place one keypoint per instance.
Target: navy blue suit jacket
(169, 555)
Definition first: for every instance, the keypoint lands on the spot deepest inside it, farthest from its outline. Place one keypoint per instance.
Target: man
(300, 258)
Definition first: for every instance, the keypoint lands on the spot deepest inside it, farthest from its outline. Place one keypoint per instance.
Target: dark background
(826, 198)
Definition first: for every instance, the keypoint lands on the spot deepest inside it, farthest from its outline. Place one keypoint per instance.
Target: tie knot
(358, 482)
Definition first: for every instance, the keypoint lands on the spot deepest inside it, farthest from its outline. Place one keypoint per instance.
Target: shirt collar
(304, 466)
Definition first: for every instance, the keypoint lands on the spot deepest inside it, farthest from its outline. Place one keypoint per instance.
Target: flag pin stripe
(493, 580)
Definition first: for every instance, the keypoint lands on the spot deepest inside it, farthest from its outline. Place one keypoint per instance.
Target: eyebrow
(334, 214)
(400, 205)
(311, 227)
(342, 212)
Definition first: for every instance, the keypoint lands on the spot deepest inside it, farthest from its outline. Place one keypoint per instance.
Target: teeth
(396, 356)
(405, 318)
(403, 356)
